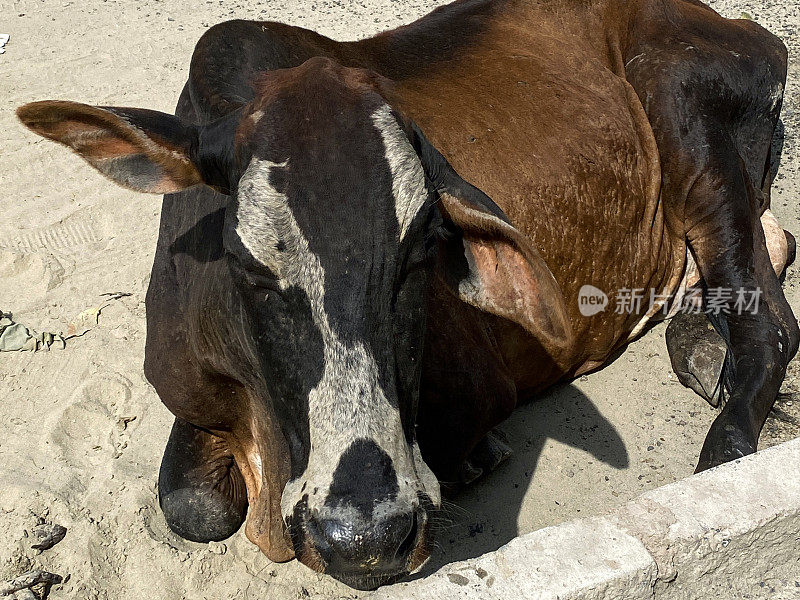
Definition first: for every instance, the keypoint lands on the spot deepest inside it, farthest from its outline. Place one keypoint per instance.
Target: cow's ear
(144, 150)
(487, 262)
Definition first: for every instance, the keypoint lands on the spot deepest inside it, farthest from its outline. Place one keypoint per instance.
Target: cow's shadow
(488, 511)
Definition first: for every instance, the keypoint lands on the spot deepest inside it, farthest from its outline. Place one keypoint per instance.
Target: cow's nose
(365, 552)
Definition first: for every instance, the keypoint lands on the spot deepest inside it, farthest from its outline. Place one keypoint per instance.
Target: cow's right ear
(487, 262)
(144, 150)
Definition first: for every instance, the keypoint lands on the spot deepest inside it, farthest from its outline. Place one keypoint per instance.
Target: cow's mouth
(368, 583)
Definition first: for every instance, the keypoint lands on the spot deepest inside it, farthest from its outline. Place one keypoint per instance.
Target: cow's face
(331, 240)
(328, 241)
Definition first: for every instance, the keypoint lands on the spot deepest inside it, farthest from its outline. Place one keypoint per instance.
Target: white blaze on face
(348, 402)
(408, 177)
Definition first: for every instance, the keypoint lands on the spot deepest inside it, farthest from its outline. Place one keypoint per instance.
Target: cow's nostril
(322, 534)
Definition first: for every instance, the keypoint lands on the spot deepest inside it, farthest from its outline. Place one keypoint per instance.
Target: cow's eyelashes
(261, 279)
(265, 282)
(417, 262)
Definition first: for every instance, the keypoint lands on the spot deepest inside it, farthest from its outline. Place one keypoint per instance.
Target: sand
(82, 433)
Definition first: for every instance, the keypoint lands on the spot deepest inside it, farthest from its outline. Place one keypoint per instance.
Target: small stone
(47, 535)
(217, 548)
(457, 579)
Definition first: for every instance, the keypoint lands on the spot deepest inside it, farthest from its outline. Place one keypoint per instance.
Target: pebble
(457, 579)
(217, 548)
(47, 535)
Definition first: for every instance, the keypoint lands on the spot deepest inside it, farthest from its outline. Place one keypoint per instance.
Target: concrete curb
(731, 532)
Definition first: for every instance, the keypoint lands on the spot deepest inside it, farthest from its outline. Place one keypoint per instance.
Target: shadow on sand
(493, 504)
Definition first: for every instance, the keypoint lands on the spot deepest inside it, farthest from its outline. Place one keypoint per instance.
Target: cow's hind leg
(696, 350)
(711, 89)
(201, 491)
(745, 303)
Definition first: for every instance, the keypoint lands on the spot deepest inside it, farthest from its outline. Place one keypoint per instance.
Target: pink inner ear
(501, 273)
(520, 289)
(507, 283)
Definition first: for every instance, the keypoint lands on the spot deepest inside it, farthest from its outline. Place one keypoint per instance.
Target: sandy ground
(81, 432)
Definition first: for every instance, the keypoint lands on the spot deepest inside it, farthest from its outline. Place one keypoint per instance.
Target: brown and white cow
(348, 306)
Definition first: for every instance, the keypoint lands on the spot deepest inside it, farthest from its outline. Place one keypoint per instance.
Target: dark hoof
(697, 353)
(201, 491)
(725, 442)
(489, 454)
(469, 473)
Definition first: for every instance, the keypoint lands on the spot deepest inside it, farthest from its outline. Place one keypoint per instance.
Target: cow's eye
(255, 275)
(416, 263)
(262, 281)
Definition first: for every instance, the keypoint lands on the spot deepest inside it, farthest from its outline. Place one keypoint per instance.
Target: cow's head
(339, 212)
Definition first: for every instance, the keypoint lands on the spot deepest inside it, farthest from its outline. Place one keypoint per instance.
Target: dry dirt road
(81, 432)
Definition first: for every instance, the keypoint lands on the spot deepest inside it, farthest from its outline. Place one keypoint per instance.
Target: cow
(371, 252)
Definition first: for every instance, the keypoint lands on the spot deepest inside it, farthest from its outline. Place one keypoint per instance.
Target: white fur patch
(777, 95)
(408, 177)
(348, 402)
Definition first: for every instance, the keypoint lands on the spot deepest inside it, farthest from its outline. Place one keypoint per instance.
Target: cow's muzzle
(363, 553)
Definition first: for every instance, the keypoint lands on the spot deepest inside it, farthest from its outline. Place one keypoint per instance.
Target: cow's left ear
(488, 263)
(144, 150)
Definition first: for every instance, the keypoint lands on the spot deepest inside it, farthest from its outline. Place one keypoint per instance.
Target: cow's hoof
(697, 353)
(725, 442)
(469, 473)
(201, 490)
(490, 453)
